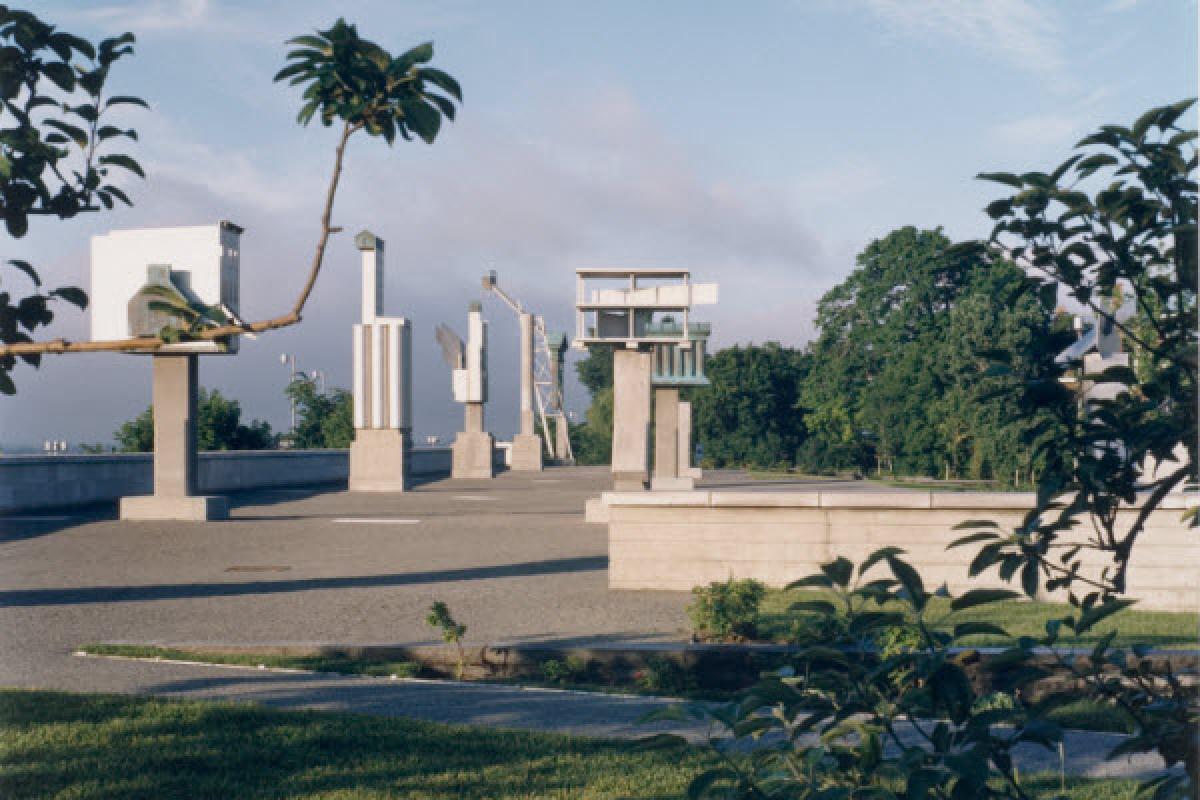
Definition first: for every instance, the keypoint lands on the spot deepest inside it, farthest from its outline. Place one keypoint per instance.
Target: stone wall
(34, 482)
(677, 540)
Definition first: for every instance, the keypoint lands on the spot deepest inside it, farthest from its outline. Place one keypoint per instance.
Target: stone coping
(926, 500)
(26, 459)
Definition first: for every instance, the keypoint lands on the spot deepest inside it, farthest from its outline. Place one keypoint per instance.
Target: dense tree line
(900, 379)
(219, 426)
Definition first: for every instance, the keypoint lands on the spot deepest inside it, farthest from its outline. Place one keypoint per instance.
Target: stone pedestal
(472, 451)
(526, 453)
(174, 393)
(666, 442)
(631, 420)
(379, 460)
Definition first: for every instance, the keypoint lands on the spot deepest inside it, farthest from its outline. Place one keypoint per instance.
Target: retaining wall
(678, 540)
(33, 482)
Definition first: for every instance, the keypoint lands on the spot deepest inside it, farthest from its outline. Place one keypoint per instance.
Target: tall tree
(218, 427)
(747, 415)
(323, 419)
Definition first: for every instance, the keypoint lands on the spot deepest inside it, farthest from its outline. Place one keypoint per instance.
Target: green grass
(56, 744)
(342, 665)
(1019, 618)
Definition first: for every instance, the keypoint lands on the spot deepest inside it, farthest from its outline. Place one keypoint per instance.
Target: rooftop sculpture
(645, 314)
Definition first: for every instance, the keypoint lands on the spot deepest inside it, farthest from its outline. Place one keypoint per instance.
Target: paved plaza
(512, 557)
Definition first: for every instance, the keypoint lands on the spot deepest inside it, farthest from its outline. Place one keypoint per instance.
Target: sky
(761, 145)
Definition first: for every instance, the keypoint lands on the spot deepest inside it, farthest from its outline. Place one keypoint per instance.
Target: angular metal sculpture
(379, 455)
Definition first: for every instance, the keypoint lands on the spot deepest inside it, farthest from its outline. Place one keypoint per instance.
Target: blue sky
(762, 144)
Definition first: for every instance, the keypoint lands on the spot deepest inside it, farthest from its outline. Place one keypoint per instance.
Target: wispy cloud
(1021, 32)
(153, 15)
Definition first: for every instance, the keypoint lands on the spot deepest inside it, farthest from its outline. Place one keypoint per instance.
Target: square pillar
(527, 444)
(686, 448)
(175, 395)
(666, 441)
(631, 420)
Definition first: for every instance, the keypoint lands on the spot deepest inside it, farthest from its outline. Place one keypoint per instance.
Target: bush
(725, 611)
(573, 669)
(664, 676)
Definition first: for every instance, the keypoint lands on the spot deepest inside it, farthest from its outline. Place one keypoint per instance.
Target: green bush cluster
(726, 610)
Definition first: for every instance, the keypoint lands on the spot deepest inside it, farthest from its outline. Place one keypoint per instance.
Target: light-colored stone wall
(33, 482)
(677, 540)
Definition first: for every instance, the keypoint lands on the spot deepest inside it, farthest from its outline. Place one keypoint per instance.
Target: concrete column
(631, 419)
(686, 470)
(175, 396)
(527, 444)
(668, 472)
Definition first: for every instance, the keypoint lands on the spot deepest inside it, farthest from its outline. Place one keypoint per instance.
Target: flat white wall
(33, 482)
(677, 540)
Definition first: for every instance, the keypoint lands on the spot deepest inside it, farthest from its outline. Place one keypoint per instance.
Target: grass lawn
(342, 665)
(55, 744)
(1019, 618)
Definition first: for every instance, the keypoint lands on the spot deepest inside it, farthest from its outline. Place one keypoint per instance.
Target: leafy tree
(54, 135)
(748, 414)
(218, 427)
(323, 419)
(347, 79)
(1135, 231)
(591, 441)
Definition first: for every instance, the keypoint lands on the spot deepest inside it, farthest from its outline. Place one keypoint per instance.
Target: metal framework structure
(547, 393)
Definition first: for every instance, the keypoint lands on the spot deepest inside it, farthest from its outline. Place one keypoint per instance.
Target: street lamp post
(289, 360)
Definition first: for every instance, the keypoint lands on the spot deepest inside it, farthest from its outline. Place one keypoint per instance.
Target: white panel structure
(382, 352)
(203, 264)
(470, 380)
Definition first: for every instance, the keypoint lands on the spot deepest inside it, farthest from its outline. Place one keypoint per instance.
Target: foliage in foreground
(866, 713)
(56, 128)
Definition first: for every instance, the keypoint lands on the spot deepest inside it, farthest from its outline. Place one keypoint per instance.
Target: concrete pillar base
(197, 508)
(526, 453)
(692, 472)
(379, 461)
(670, 484)
(629, 481)
(473, 456)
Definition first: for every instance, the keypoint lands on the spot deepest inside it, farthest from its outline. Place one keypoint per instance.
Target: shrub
(664, 675)
(727, 610)
(573, 669)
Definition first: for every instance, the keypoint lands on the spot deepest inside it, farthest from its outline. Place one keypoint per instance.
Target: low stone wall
(37, 482)
(677, 540)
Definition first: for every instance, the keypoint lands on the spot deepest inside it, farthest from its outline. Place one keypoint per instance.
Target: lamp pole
(289, 360)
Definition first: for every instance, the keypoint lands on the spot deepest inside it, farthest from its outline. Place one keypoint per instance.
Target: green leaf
(910, 580)
(978, 628)
(876, 557)
(28, 269)
(1089, 618)
(979, 597)
(73, 295)
(1006, 178)
(123, 161)
(839, 571)
(128, 100)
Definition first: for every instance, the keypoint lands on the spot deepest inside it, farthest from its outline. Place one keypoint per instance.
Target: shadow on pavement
(175, 591)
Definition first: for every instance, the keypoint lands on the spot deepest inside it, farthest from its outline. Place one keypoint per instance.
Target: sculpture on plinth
(379, 454)
(637, 319)
(474, 448)
(164, 282)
